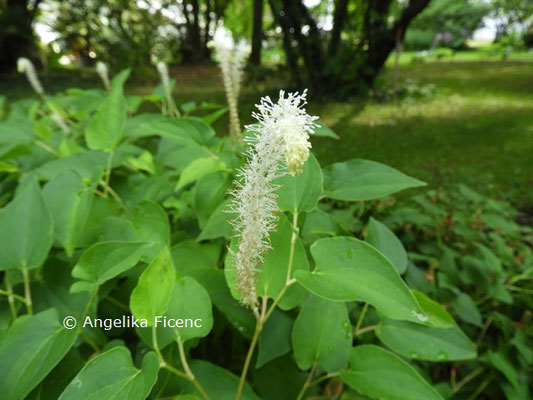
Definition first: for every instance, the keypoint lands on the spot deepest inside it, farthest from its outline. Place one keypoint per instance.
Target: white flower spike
(102, 71)
(25, 66)
(281, 140)
(165, 81)
(231, 57)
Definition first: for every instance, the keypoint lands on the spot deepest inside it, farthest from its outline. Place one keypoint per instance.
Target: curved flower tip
(103, 73)
(289, 122)
(25, 66)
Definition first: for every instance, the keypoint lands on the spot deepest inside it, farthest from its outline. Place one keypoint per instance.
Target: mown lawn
(476, 127)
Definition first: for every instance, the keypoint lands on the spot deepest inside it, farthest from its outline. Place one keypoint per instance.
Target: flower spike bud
(231, 58)
(162, 69)
(102, 71)
(25, 66)
(281, 137)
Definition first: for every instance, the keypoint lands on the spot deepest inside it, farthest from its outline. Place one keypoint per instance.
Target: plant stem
(117, 303)
(27, 290)
(108, 170)
(323, 378)
(365, 329)
(481, 387)
(10, 297)
(265, 314)
(16, 296)
(188, 372)
(109, 189)
(361, 317)
(307, 382)
(467, 379)
(258, 328)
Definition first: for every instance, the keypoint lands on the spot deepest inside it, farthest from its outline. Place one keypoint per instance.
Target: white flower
(165, 81)
(231, 57)
(101, 70)
(25, 66)
(282, 134)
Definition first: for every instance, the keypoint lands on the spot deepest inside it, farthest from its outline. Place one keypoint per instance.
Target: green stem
(323, 378)
(307, 383)
(108, 170)
(117, 303)
(365, 330)
(16, 296)
(467, 379)
(258, 329)
(188, 372)
(262, 318)
(361, 318)
(10, 298)
(27, 290)
(481, 387)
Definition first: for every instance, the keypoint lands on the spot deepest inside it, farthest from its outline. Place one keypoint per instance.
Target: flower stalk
(231, 57)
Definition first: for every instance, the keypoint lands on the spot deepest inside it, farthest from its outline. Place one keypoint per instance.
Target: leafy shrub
(123, 216)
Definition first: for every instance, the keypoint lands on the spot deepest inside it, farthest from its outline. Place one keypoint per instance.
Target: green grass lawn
(477, 127)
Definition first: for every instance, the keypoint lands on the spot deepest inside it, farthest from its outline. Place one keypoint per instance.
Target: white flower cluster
(231, 57)
(25, 66)
(101, 70)
(162, 69)
(282, 134)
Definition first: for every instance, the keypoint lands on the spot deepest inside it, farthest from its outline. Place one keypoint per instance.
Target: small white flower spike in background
(25, 66)
(101, 70)
(231, 58)
(162, 69)
(281, 140)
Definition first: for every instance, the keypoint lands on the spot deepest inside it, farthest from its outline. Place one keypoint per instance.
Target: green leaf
(358, 180)
(348, 269)
(144, 162)
(189, 300)
(26, 229)
(218, 223)
(275, 338)
(502, 363)
(322, 334)
(420, 342)
(69, 200)
(219, 383)
(106, 260)
(185, 131)
(151, 296)
(301, 193)
(383, 239)
(104, 130)
(31, 348)
(437, 314)
(379, 373)
(323, 130)
(199, 168)
(112, 375)
(208, 193)
(88, 165)
(466, 309)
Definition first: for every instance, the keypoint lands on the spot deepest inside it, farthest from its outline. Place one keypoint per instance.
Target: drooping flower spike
(103, 73)
(280, 145)
(25, 66)
(231, 57)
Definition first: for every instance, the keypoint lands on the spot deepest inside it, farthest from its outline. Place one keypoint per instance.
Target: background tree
(17, 38)
(348, 57)
(445, 22)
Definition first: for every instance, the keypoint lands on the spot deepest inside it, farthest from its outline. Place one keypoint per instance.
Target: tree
(453, 21)
(257, 32)
(17, 38)
(349, 56)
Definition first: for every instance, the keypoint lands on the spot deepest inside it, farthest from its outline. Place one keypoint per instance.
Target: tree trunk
(17, 38)
(257, 33)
